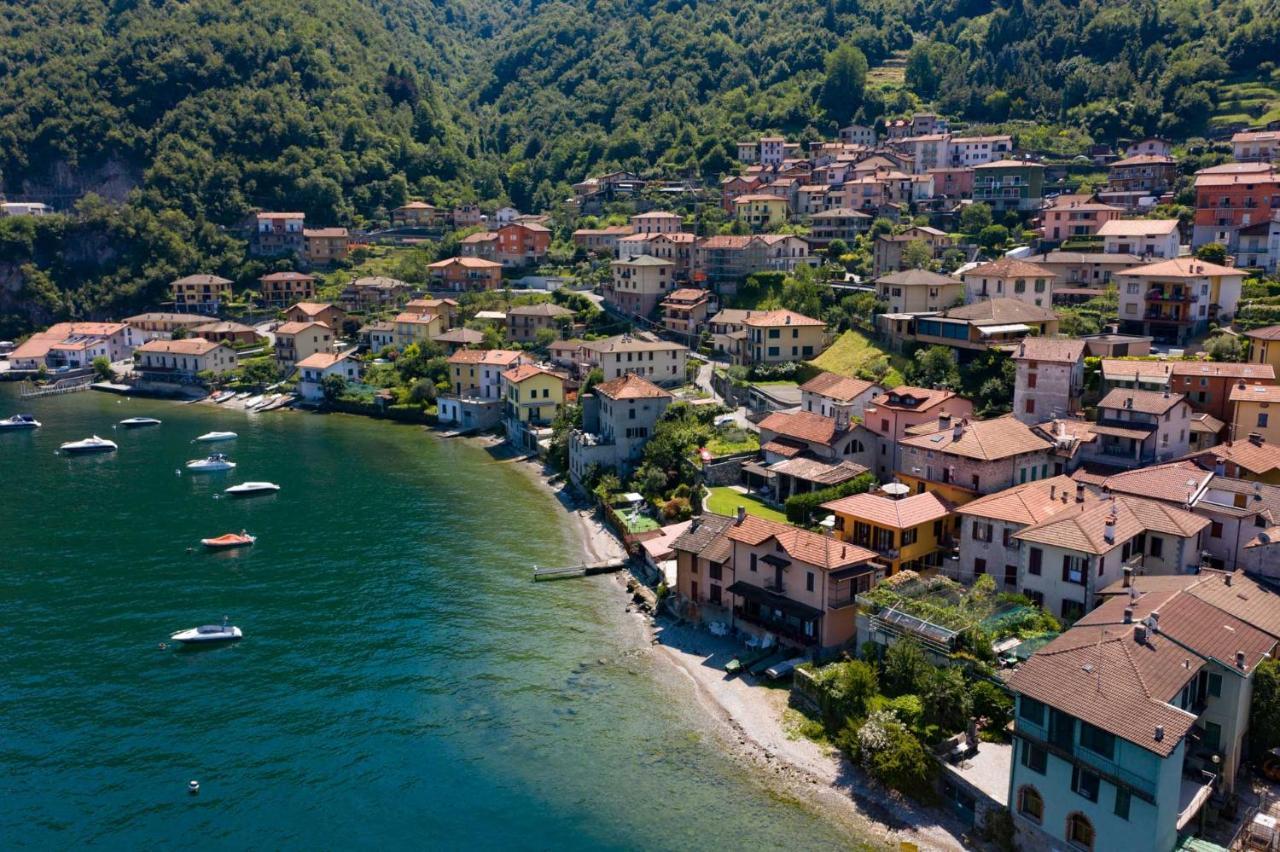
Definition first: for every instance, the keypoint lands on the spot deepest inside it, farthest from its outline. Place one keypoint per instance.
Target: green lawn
(852, 350)
(725, 501)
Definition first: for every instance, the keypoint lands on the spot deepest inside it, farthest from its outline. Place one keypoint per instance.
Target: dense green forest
(189, 115)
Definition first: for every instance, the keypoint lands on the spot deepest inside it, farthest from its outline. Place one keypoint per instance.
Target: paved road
(703, 381)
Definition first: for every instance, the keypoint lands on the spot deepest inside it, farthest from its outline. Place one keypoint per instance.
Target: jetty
(585, 570)
(30, 389)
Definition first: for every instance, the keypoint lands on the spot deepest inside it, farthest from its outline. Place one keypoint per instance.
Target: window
(1030, 805)
(1031, 380)
(714, 571)
(1215, 685)
(1034, 757)
(1122, 803)
(1212, 735)
(1215, 529)
(1006, 536)
(1034, 558)
(979, 566)
(909, 536)
(1030, 406)
(981, 531)
(1157, 546)
(753, 562)
(1262, 418)
(1080, 831)
(1097, 740)
(808, 581)
(1084, 783)
(1072, 610)
(1031, 710)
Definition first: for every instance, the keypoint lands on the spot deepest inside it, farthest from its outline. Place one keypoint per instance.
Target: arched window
(1030, 805)
(854, 446)
(1080, 831)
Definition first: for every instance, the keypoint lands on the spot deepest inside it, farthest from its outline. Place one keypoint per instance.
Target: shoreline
(749, 718)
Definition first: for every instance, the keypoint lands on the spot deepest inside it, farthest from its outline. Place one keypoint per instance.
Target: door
(693, 590)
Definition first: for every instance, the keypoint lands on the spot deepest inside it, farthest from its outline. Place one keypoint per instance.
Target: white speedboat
(89, 445)
(210, 437)
(223, 632)
(222, 396)
(252, 401)
(250, 489)
(133, 422)
(215, 462)
(20, 421)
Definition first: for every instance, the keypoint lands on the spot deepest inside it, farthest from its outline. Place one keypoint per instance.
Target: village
(980, 457)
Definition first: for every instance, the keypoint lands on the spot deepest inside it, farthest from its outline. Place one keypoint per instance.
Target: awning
(1119, 432)
(754, 593)
(775, 560)
(1012, 328)
(852, 571)
(755, 467)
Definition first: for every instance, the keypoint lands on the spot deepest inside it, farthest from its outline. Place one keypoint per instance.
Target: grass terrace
(725, 500)
(852, 351)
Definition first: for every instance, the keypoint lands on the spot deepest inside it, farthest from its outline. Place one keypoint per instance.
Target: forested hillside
(195, 113)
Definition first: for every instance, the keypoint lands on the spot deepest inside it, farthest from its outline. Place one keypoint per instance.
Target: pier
(30, 390)
(585, 570)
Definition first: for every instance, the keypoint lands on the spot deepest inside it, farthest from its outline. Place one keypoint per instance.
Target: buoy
(177, 471)
(193, 787)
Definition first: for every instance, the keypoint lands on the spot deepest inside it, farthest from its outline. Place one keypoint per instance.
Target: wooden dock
(586, 570)
(31, 390)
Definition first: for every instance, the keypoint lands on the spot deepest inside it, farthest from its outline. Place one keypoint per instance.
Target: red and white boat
(240, 539)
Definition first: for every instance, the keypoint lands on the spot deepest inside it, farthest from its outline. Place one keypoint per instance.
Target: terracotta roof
(413, 318)
(287, 276)
(687, 294)
(1271, 332)
(163, 316)
(1082, 528)
(759, 196)
(1182, 267)
(1137, 227)
(1143, 160)
(187, 346)
(642, 260)
(296, 327)
(784, 447)
(1161, 481)
(465, 336)
(1114, 369)
(631, 387)
(325, 232)
(1206, 423)
(321, 360)
(1026, 504)
(1010, 267)
(542, 309)
(479, 237)
(312, 308)
(1258, 458)
(212, 280)
(802, 545)
(917, 278)
(803, 425)
(1255, 498)
(835, 386)
(222, 327)
(984, 440)
(658, 214)
(1056, 349)
(771, 319)
(1146, 402)
(379, 282)
(468, 262)
(626, 343)
(1255, 393)
(726, 241)
(487, 357)
(1000, 311)
(816, 470)
(908, 398)
(1009, 164)
(1104, 676)
(527, 371)
(890, 513)
(706, 537)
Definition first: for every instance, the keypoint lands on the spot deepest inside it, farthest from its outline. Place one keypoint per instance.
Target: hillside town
(910, 395)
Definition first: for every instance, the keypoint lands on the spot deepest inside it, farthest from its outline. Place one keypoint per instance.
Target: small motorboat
(223, 542)
(223, 632)
(134, 422)
(250, 489)
(252, 401)
(242, 395)
(214, 462)
(89, 445)
(210, 437)
(20, 421)
(223, 396)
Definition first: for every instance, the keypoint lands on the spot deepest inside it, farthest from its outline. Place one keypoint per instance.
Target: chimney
(1128, 402)
(1140, 633)
(1128, 615)
(944, 421)
(1220, 468)
(1053, 492)
(1226, 578)
(842, 414)
(1128, 578)
(1109, 530)
(1155, 621)
(1255, 439)
(957, 431)
(1159, 733)
(1079, 492)
(1239, 659)
(742, 516)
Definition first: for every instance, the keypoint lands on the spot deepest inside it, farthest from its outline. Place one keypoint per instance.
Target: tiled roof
(835, 386)
(726, 241)
(321, 360)
(803, 425)
(186, 346)
(811, 548)
(212, 280)
(642, 260)
(1206, 423)
(1009, 267)
(1146, 402)
(784, 447)
(466, 336)
(1026, 504)
(917, 278)
(1161, 481)
(888, 512)
(542, 309)
(687, 294)
(1143, 160)
(626, 343)
(1104, 676)
(325, 232)
(1137, 227)
(489, 357)
(631, 387)
(1056, 349)
(816, 470)
(985, 440)
(1254, 498)
(1258, 458)
(379, 282)
(287, 276)
(706, 537)
(1122, 369)
(1001, 311)
(479, 237)
(1271, 332)
(296, 327)
(1255, 393)
(908, 398)
(1182, 267)
(1082, 528)
(770, 319)
(527, 371)
(311, 308)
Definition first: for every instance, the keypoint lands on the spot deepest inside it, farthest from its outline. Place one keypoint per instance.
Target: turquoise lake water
(402, 683)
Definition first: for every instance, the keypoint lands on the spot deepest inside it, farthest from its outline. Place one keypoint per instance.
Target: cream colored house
(774, 337)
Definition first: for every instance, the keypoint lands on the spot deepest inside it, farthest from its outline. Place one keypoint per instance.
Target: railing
(782, 628)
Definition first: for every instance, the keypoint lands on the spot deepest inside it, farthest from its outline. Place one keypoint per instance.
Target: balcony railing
(782, 628)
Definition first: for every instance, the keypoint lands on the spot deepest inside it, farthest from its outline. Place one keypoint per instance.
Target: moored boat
(206, 633)
(134, 422)
(210, 437)
(214, 462)
(20, 421)
(252, 401)
(222, 542)
(250, 489)
(89, 445)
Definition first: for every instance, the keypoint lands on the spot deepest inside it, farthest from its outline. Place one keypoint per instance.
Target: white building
(659, 361)
(1144, 237)
(313, 370)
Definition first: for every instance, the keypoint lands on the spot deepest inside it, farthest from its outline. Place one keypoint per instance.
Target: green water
(402, 681)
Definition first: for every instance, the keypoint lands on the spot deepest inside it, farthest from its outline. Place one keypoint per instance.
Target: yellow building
(1255, 410)
(761, 212)
(775, 337)
(1264, 346)
(533, 394)
(417, 328)
(1249, 458)
(200, 293)
(906, 533)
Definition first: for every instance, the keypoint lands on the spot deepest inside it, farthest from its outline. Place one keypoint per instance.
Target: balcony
(1179, 296)
(1176, 319)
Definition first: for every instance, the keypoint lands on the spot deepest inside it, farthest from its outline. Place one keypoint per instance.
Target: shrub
(946, 699)
(890, 753)
(908, 708)
(906, 670)
(847, 688)
(992, 703)
(800, 508)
